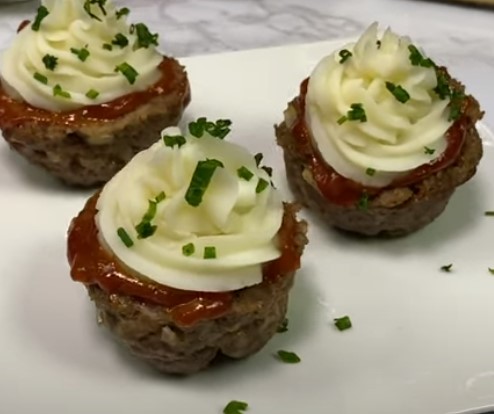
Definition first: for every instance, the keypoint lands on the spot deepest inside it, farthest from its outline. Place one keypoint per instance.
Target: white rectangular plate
(422, 340)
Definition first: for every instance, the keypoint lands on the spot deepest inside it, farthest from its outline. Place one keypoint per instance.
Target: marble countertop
(196, 27)
(457, 36)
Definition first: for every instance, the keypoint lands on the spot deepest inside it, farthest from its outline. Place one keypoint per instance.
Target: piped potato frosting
(193, 212)
(377, 109)
(77, 53)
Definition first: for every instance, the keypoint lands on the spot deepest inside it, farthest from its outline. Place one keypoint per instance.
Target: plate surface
(422, 341)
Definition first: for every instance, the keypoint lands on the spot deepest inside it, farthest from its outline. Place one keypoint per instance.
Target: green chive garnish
(40, 78)
(262, 184)
(200, 181)
(172, 140)
(120, 40)
(50, 62)
(210, 252)
(124, 236)
(145, 229)
(107, 46)
(92, 94)
(160, 197)
(124, 11)
(99, 3)
(144, 37)
(188, 249)
(58, 91)
(443, 89)
(363, 203)
(370, 171)
(455, 105)
(218, 129)
(344, 55)
(398, 92)
(417, 59)
(447, 268)
(288, 357)
(489, 213)
(128, 71)
(40, 15)
(235, 407)
(429, 151)
(355, 113)
(491, 270)
(378, 44)
(245, 173)
(343, 323)
(283, 326)
(82, 54)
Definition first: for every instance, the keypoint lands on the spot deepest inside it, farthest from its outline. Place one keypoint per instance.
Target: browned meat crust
(71, 153)
(393, 212)
(151, 333)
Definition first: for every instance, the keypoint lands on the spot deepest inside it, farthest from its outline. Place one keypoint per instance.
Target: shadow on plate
(57, 316)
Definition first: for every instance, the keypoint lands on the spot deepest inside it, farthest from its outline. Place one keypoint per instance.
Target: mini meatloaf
(177, 322)
(81, 111)
(370, 201)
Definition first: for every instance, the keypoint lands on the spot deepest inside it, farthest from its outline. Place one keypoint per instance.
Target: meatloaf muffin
(379, 137)
(82, 91)
(188, 252)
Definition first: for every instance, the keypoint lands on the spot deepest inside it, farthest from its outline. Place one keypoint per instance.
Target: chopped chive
(417, 59)
(40, 78)
(160, 197)
(262, 184)
(82, 54)
(245, 173)
(344, 55)
(447, 268)
(99, 3)
(50, 61)
(343, 323)
(370, 171)
(124, 11)
(363, 202)
(269, 170)
(258, 157)
(172, 140)
(455, 105)
(283, 327)
(107, 46)
(378, 44)
(235, 407)
(92, 94)
(41, 13)
(288, 357)
(200, 180)
(120, 40)
(188, 249)
(124, 236)
(442, 89)
(429, 151)
(355, 113)
(210, 252)
(58, 91)
(491, 270)
(398, 92)
(218, 129)
(489, 213)
(145, 229)
(128, 71)
(144, 37)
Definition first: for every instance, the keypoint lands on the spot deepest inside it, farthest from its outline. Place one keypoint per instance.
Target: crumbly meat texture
(89, 154)
(393, 212)
(150, 332)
